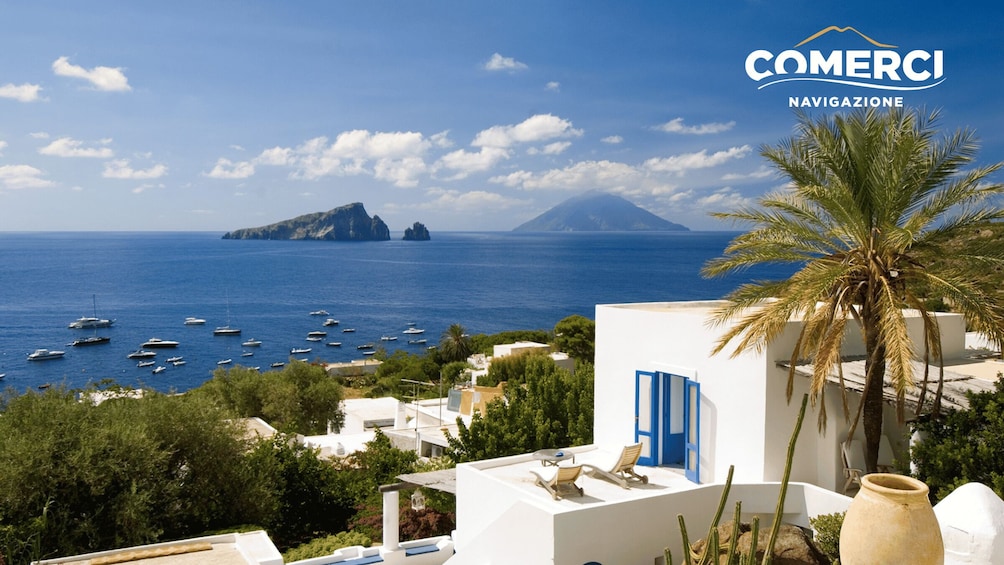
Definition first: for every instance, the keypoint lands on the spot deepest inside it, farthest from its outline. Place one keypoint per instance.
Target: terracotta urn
(891, 522)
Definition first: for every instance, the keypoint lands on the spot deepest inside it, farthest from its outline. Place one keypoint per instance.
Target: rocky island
(345, 223)
(598, 211)
(417, 232)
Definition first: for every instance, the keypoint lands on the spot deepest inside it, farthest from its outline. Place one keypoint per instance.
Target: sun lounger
(854, 462)
(555, 477)
(617, 467)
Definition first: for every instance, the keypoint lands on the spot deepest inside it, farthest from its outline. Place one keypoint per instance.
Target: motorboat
(179, 362)
(317, 334)
(277, 364)
(247, 353)
(369, 352)
(225, 362)
(348, 330)
(157, 343)
(174, 359)
(297, 350)
(418, 341)
(90, 322)
(226, 330)
(193, 321)
(319, 313)
(414, 331)
(365, 346)
(314, 338)
(331, 322)
(92, 340)
(141, 354)
(334, 344)
(389, 338)
(252, 343)
(44, 355)
(159, 369)
(142, 364)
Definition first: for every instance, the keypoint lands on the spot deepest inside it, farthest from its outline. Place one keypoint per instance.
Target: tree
(872, 199)
(455, 344)
(576, 336)
(550, 408)
(964, 446)
(301, 398)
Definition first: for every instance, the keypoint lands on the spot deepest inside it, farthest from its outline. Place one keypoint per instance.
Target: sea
(150, 282)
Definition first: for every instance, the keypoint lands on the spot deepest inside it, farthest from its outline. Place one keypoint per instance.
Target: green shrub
(827, 527)
(325, 546)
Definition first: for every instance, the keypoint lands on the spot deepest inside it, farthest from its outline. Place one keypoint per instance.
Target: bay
(150, 282)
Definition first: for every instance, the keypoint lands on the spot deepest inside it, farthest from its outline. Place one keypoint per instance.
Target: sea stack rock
(345, 223)
(417, 232)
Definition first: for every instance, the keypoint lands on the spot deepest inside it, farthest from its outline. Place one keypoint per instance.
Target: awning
(444, 480)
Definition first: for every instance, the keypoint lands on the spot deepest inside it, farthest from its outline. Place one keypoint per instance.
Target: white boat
(389, 338)
(193, 321)
(369, 352)
(157, 343)
(365, 346)
(178, 363)
(141, 354)
(227, 329)
(414, 331)
(174, 359)
(348, 330)
(142, 364)
(418, 341)
(319, 313)
(225, 362)
(297, 350)
(317, 334)
(331, 322)
(277, 364)
(334, 344)
(89, 322)
(247, 353)
(44, 354)
(159, 369)
(314, 338)
(252, 343)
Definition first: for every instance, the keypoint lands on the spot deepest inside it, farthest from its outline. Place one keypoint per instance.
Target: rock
(417, 232)
(793, 546)
(346, 223)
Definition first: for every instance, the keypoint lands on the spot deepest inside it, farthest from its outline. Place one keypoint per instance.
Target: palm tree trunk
(872, 396)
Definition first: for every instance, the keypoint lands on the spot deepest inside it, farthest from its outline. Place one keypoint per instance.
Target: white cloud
(613, 139)
(16, 177)
(761, 173)
(120, 169)
(582, 175)
(472, 201)
(275, 156)
(145, 187)
(110, 79)
(69, 147)
(395, 156)
(466, 162)
(39, 135)
(723, 199)
(553, 86)
(540, 127)
(676, 126)
(22, 93)
(555, 148)
(500, 63)
(441, 139)
(226, 169)
(679, 164)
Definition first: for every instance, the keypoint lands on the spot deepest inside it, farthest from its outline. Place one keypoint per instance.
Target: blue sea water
(150, 282)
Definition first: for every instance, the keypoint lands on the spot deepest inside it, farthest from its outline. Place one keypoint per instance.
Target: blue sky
(470, 116)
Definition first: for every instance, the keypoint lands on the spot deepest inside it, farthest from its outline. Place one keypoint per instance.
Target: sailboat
(94, 339)
(227, 329)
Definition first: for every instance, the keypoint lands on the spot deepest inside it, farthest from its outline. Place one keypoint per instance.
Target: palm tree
(872, 199)
(455, 344)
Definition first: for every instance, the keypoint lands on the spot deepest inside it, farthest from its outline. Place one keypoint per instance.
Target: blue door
(646, 416)
(673, 420)
(692, 418)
